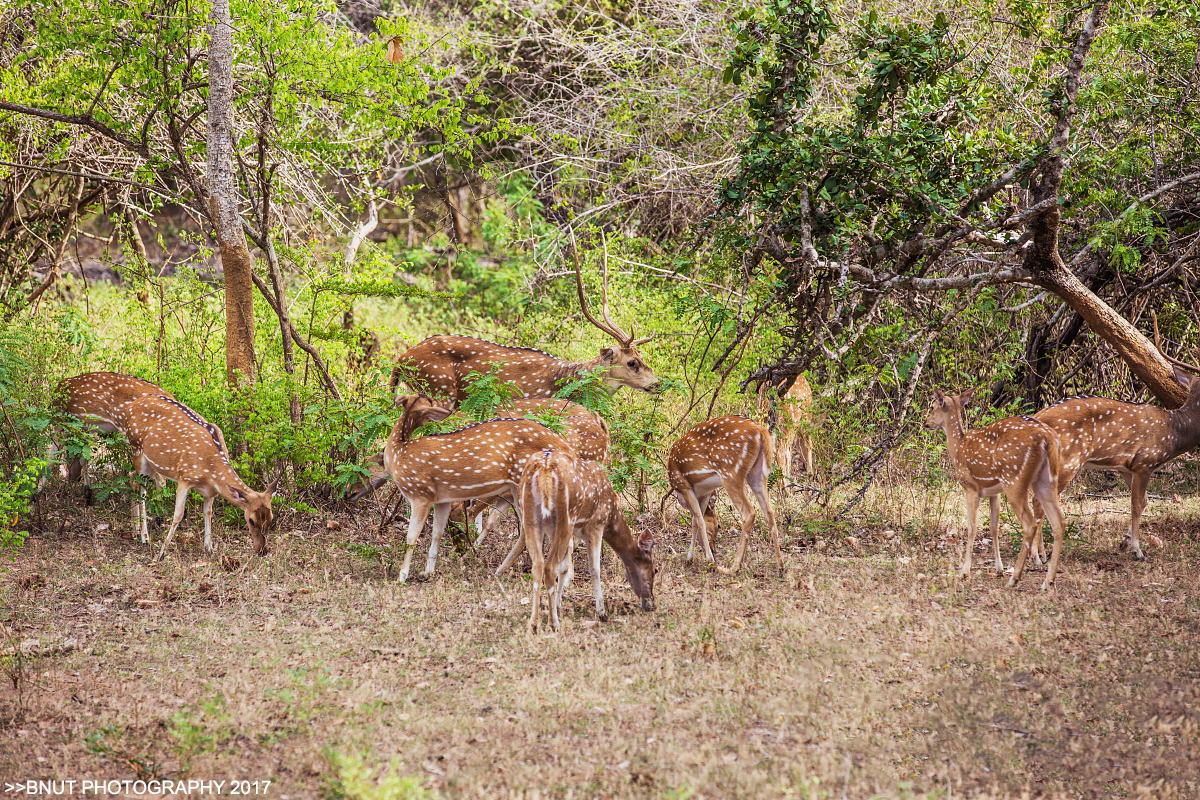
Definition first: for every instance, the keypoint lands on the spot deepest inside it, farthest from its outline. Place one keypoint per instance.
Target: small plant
(356, 781)
(109, 741)
(199, 728)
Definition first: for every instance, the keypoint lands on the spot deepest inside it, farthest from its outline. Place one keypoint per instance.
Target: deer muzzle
(647, 604)
(655, 388)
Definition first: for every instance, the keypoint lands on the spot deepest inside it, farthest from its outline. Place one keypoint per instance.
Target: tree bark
(236, 262)
(1042, 258)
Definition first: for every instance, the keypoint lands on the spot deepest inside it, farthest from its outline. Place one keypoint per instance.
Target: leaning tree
(934, 177)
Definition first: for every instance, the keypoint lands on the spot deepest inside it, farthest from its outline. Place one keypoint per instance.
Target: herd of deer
(558, 485)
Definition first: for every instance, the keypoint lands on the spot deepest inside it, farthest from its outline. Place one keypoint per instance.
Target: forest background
(883, 198)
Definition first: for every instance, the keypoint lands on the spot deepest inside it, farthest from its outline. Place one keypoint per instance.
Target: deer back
(1104, 432)
(586, 432)
(1008, 451)
(103, 396)
(726, 446)
(481, 460)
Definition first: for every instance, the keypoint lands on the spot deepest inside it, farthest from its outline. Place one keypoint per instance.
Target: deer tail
(768, 447)
(556, 517)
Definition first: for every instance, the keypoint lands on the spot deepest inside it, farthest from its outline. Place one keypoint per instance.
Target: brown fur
(441, 364)
(561, 498)
(172, 442)
(1135, 439)
(793, 420)
(1017, 456)
(434, 472)
(730, 453)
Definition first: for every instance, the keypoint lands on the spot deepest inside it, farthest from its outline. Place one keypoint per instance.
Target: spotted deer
(586, 433)
(730, 453)
(564, 498)
(1133, 438)
(434, 472)
(1015, 457)
(793, 418)
(440, 365)
(99, 399)
(172, 442)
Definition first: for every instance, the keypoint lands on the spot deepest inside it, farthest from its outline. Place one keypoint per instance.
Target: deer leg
(1018, 498)
(594, 540)
(1048, 494)
(783, 456)
(441, 513)
(698, 526)
(208, 507)
(971, 506)
(533, 534)
(737, 493)
(759, 486)
(994, 500)
(1138, 483)
(181, 493)
(416, 521)
(511, 558)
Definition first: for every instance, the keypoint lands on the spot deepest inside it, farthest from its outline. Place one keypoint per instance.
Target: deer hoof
(602, 616)
(1139, 556)
(1011, 581)
(402, 577)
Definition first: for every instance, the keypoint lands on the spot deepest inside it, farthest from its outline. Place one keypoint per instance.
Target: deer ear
(941, 398)
(966, 396)
(237, 495)
(608, 354)
(273, 486)
(1184, 377)
(431, 414)
(646, 542)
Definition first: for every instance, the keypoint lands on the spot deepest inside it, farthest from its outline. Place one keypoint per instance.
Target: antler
(611, 329)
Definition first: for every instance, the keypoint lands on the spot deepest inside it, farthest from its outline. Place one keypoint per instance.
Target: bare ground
(859, 672)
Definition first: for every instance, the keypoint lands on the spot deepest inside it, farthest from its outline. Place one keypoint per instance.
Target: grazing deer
(434, 472)
(172, 442)
(1132, 438)
(1013, 456)
(730, 452)
(586, 433)
(793, 418)
(98, 399)
(440, 364)
(562, 498)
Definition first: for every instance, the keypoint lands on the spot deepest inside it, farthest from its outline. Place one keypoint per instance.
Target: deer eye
(633, 364)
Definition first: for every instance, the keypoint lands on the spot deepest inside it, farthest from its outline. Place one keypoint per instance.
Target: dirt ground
(865, 670)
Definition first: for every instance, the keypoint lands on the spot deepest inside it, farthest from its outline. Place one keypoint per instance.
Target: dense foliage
(786, 187)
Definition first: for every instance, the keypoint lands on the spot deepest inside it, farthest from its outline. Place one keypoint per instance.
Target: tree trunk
(1043, 259)
(236, 262)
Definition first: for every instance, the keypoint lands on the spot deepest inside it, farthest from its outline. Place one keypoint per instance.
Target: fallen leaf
(148, 603)
(1154, 540)
(853, 542)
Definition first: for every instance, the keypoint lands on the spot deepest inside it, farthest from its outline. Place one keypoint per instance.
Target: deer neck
(954, 436)
(566, 371)
(1184, 424)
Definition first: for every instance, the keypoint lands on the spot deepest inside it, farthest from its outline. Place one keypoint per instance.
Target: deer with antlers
(480, 461)
(1133, 438)
(563, 498)
(730, 453)
(793, 416)
(440, 365)
(1016, 457)
(172, 442)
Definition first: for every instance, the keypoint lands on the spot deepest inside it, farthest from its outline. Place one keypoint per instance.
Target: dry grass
(859, 673)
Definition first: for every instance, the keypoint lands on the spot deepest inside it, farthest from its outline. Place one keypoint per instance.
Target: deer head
(417, 410)
(639, 565)
(628, 368)
(947, 409)
(256, 507)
